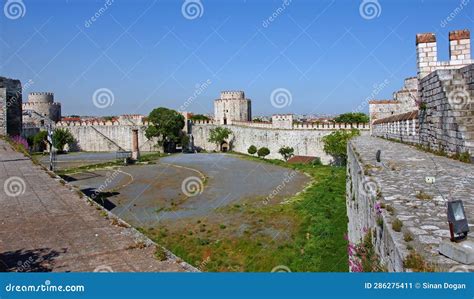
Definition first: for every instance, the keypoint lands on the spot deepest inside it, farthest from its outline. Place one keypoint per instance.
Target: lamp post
(458, 224)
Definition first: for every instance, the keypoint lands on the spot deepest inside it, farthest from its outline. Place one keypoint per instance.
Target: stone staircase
(110, 141)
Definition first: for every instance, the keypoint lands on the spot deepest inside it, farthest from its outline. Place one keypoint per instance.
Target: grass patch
(423, 196)
(417, 263)
(397, 225)
(408, 237)
(314, 223)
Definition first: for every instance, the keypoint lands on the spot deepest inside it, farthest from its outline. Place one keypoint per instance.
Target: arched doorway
(225, 147)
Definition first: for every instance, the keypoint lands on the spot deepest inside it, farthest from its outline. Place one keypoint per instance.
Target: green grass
(316, 241)
(89, 167)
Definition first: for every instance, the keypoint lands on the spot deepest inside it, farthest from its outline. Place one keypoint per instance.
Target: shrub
(39, 140)
(160, 253)
(408, 237)
(317, 162)
(417, 263)
(286, 152)
(20, 143)
(335, 144)
(397, 225)
(263, 152)
(61, 137)
(252, 150)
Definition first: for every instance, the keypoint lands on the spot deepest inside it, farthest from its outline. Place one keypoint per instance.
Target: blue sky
(328, 55)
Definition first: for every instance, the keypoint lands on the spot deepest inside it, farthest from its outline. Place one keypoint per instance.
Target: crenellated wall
(445, 121)
(305, 139)
(98, 136)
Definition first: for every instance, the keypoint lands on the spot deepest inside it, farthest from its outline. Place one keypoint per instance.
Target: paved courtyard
(46, 226)
(144, 195)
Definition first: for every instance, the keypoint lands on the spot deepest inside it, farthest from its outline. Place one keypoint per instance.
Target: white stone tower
(43, 104)
(232, 106)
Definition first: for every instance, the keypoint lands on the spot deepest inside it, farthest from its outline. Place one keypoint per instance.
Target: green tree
(219, 135)
(252, 150)
(199, 117)
(166, 125)
(352, 117)
(263, 152)
(61, 137)
(39, 140)
(286, 152)
(335, 144)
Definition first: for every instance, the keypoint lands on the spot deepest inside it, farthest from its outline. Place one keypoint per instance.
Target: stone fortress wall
(109, 136)
(306, 139)
(10, 107)
(380, 193)
(42, 103)
(443, 118)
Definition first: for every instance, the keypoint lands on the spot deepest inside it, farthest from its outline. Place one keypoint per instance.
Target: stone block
(462, 252)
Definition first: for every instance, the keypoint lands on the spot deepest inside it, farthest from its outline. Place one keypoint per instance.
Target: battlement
(41, 97)
(427, 53)
(232, 95)
(88, 123)
(305, 126)
(39, 93)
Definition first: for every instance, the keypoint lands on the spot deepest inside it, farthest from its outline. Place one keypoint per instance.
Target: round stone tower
(232, 106)
(43, 104)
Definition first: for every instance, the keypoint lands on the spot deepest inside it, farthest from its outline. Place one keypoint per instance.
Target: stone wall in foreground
(445, 121)
(378, 194)
(306, 140)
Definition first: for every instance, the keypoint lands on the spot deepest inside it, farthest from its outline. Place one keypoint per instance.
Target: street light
(458, 224)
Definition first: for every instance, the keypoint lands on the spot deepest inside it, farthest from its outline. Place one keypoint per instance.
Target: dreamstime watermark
(281, 269)
(280, 187)
(14, 9)
(29, 264)
(200, 88)
(107, 3)
(370, 187)
(459, 97)
(109, 178)
(192, 9)
(192, 186)
(103, 269)
(377, 88)
(370, 9)
(47, 286)
(103, 98)
(454, 13)
(276, 13)
(281, 97)
(14, 186)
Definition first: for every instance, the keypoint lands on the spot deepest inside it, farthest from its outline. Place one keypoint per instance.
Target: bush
(39, 140)
(335, 144)
(252, 150)
(317, 162)
(61, 137)
(263, 152)
(286, 152)
(397, 225)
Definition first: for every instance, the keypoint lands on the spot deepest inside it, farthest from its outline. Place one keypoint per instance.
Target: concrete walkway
(46, 226)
